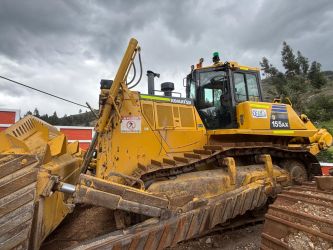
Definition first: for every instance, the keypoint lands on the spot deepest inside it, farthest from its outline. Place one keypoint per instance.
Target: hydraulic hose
(140, 62)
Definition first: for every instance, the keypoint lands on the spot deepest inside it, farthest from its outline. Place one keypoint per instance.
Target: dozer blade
(301, 217)
(33, 157)
(18, 180)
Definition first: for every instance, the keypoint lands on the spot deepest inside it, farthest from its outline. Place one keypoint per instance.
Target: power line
(44, 92)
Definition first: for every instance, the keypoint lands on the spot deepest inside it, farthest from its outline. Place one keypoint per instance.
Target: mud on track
(86, 222)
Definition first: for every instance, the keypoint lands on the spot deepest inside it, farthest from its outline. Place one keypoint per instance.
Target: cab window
(246, 87)
(212, 86)
(208, 97)
(240, 87)
(192, 89)
(214, 105)
(212, 97)
(252, 87)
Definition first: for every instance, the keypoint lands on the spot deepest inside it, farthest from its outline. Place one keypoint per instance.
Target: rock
(208, 241)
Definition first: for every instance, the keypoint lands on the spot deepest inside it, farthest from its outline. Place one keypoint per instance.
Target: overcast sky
(66, 47)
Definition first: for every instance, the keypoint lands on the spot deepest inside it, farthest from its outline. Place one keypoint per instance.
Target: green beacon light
(216, 57)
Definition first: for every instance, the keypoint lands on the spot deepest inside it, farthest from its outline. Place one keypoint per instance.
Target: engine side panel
(149, 129)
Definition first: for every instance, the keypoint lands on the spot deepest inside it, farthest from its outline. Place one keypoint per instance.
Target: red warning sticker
(131, 124)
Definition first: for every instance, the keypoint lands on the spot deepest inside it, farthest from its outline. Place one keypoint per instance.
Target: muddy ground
(242, 238)
(87, 222)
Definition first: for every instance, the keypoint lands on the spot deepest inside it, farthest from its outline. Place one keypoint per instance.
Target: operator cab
(218, 89)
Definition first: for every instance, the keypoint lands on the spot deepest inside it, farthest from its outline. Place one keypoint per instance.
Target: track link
(300, 218)
(159, 234)
(210, 153)
(18, 176)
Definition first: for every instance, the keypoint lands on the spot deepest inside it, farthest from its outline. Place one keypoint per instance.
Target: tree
(28, 113)
(303, 63)
(289, 61)
(268, 68)
(315, 75)
(45, 118)
(297, 78)
(320, 108)
(54, 120)
(36, 113)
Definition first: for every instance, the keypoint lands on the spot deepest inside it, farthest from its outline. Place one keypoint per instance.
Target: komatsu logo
(176, 100)
(181, 101)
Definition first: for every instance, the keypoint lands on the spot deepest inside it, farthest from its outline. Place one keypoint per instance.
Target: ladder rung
(181, 159)
(169, 161)
(157, 163)
(142, 167)
(202, 151)
(193, 156)
(213, 147)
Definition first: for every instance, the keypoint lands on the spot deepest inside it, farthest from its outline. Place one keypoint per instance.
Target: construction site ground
(87, 222)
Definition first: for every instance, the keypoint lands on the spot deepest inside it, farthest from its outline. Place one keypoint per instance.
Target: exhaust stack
(151, 81)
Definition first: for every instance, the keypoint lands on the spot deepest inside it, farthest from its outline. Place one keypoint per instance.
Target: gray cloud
(66, 47)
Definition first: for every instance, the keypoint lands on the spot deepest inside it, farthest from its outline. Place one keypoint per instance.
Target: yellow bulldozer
(171, 168)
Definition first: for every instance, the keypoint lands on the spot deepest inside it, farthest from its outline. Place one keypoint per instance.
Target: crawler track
(200, 157)
(18, 175)
(300, 218)
(159, 234)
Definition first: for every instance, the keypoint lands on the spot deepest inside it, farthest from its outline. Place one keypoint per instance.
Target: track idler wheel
(296, 170)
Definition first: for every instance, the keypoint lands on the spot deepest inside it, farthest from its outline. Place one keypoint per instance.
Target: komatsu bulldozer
(171, 168)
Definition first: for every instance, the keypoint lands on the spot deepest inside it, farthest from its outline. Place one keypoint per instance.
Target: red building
(325, 167)
(75, 133)
(8, 117)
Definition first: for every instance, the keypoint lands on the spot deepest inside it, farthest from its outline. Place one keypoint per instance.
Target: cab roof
(232, 64)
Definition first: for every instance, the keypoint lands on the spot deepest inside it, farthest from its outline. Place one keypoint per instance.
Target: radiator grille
(175, 112)
(149, 113)
(186, 117)
(164, 116)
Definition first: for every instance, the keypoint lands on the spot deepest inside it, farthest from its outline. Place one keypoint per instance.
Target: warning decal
(131, 124)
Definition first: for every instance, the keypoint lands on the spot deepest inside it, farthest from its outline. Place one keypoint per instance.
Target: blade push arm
(114, 90)
(110, 105)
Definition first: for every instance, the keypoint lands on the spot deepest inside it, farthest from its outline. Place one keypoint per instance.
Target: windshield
(213, 85)
(207, 77)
